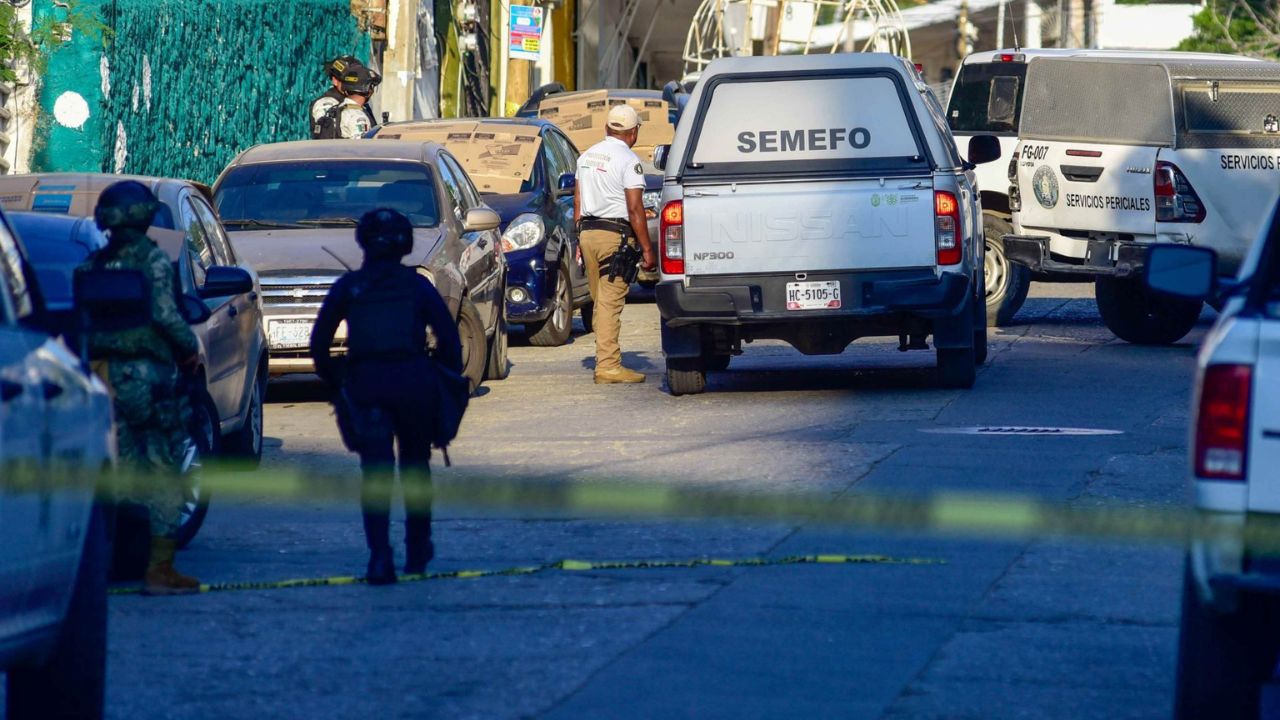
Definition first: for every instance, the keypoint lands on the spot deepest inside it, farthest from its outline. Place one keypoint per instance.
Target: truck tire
(686, 377)
(1007, 282)
(475, 345)
(1223, 658)
(555, 330)
(1138, 316)
(957, 368)
(72, 681)
(497, 366)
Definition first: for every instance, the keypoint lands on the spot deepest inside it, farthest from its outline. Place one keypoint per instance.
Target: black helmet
(385, 233)
(359, 80)
(339, 65)
(126, 204)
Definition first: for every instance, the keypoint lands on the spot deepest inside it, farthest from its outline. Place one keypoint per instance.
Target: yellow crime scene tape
(983, 515)
(566, 565)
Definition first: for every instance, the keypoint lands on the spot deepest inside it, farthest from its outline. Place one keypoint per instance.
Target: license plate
(289, 334)
(818, 295)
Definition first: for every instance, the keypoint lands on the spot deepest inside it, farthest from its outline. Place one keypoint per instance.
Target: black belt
(616, 225)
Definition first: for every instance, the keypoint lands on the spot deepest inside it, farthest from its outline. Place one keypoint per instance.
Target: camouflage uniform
(140, 367)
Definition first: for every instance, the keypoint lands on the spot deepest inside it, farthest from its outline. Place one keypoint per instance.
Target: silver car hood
(302, 250)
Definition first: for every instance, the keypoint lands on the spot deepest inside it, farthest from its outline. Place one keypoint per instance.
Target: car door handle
(51, 390)
(9, 390)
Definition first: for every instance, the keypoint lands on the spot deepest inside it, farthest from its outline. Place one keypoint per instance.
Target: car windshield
(312, 193)
(987, 98)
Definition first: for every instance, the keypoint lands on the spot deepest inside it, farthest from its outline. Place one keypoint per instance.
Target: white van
(986, 99)
(1116, 154)
(816, 200)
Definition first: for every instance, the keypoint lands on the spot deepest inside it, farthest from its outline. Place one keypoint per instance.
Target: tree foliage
(1244, 27)
(22, 47)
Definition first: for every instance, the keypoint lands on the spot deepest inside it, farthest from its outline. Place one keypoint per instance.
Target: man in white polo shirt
(608, 205)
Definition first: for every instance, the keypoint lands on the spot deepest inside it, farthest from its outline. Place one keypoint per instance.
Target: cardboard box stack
(581, 115)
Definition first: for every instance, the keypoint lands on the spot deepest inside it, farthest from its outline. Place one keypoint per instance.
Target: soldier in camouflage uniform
(141, 367)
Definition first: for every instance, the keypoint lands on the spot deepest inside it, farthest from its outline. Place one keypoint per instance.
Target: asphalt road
(990, 629)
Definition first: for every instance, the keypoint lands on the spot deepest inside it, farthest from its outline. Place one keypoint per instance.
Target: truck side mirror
(1182, 271)
(111, 300)
(566, 185)
(984, 149)
(660, 156)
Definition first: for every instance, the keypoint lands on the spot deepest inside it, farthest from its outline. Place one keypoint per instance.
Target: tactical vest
(383, 321)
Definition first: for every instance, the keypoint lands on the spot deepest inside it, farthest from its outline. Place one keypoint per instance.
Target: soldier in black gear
(322, 110)
(389, 380)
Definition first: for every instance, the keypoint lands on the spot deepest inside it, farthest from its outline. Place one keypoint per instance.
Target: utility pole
(400, 61)
(963, 42)
(518, 70)
(1000, 25)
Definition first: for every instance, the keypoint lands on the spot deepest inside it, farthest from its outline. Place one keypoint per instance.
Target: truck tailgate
(808, 226)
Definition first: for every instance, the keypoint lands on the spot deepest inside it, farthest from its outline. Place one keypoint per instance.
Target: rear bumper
(741, 300)
(1104, 257)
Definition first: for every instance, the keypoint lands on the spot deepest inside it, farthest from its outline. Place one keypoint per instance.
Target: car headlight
(523, 232)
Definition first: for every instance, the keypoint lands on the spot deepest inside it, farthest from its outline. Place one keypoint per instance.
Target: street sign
(525, 35)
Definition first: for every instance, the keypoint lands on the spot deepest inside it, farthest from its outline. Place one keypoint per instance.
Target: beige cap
(623, 117)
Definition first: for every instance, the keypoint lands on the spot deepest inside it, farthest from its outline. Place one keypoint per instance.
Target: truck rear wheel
(957, 368)
(686, 377)
(1141, 317)
(1007, 282)
(1223, 658)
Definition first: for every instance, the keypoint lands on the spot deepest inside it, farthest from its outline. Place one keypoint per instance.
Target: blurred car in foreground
(524, 170)
(1228, 646)
(292, 208)
(56, 434)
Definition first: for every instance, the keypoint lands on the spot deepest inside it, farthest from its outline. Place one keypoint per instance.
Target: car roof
(84, 188)
(989, 56)
(782, 63)
(417, 124)
(170, 241)
(341, 150)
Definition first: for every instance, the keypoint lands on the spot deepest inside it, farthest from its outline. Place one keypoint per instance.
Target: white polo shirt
(605, 172)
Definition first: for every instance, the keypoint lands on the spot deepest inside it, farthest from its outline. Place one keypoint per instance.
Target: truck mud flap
(955, 331)
(684, 341)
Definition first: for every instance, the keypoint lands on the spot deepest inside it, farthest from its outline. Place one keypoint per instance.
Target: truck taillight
(1176, 200)
(1015, 197)
(946, 218)
(671, 238)
(1222, 422)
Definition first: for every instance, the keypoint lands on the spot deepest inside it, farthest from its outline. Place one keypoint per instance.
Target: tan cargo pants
(598, 246)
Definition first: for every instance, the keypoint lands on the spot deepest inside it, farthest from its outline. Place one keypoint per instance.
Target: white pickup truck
(1116, 154)
(986, 99)
(817, 200)
(1228, 644)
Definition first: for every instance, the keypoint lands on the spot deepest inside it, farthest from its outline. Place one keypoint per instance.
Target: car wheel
(497, 366)
(195, 497)
(474, 344)
(72, 681)
(1223, 658)
(686, 377)
(587, 312)
(1007, 282)
(555, 330)
(245, 444)
(957, 367)
(1141, 317)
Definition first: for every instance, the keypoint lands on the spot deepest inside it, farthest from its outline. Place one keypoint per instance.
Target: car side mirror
(225, 280)
(193, 310)
(660, 156)
(112, 300)
(984, 149)
(566, 185)
(481, 218)
(1182, 271)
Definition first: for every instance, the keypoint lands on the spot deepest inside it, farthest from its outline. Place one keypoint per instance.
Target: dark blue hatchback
(524, 170)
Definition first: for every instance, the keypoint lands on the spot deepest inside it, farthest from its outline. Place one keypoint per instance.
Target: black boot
(382, 567)
(419, 549)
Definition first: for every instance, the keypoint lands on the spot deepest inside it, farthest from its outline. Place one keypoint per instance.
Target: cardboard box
(498, 157)
(582, 115)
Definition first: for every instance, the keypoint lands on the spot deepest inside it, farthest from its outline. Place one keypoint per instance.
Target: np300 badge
(1045, 185)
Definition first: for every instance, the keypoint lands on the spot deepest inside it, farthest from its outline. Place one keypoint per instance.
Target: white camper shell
(818, 199)
(986, 98)
(1116, 154)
